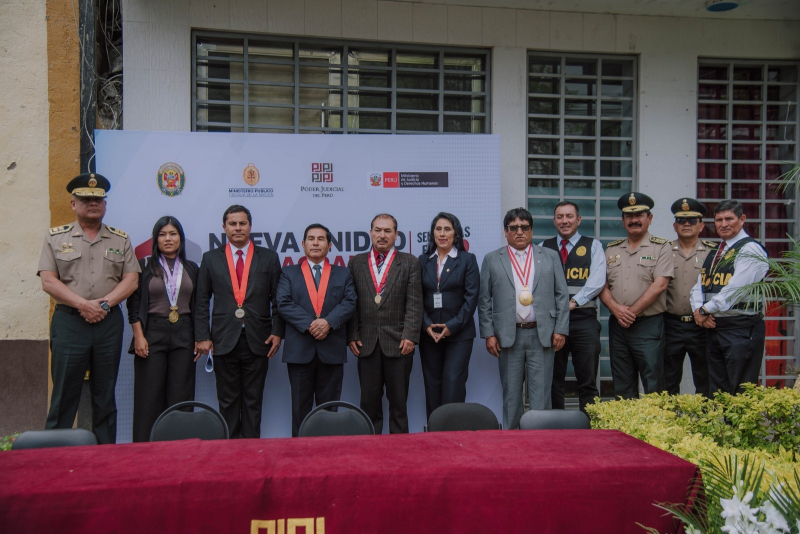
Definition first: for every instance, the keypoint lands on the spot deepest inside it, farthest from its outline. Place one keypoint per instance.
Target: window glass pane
(377, 58)
(781, 93)
(270, 94)
(418, 60)
(711, 190)
(579, 167)
(580, 107)
(543, 126)
(311, 96)
(616, 149)
(369, 120)
(538, 186)
(610, 128)
(712, 111)
(782, 73)
(461, 124)
(713, 91)
(467, 103)
(464, 62)
(369, 99)
(747, 92)
(262, 72)
(581, 87)
(612, 108)
(583, 128)
(320, 75)
(544, 65)
(265, 50)
(369, 78)
(712, 170)
(782, 152)
(543, 106)
(583, 188)
(320, 54)
(743, 112)
(712, 131)
(542, 166)
(416, 122)
(617, 67)
(580, 67)
(538, 84)
(713, 72)
(781, 132)
(417, 80)
(747, 73)
(782, 112)
(617, 88)
(420, 101)
(547, 147)
(622, 169)
(465, 82)
(579, 148)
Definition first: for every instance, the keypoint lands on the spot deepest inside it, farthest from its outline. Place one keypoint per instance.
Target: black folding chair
(323, 422)
(174, 424)
(57, 437)
(555, 420)
(462, 416)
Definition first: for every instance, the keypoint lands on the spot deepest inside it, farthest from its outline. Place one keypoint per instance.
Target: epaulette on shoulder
(117, 231)
(710, 244)
(60, 229)
(657, 240)
(615, 243)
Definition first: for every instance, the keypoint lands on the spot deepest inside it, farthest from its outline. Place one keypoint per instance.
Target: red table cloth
(495, 481)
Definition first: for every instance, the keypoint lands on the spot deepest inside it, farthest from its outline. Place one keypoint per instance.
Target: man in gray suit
(523, 312)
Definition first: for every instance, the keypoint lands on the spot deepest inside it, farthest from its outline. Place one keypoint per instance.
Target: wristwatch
(574, 302)
(703, 311)
(105, 307)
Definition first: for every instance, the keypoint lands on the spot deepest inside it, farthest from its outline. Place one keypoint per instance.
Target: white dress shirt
(244, 250)
(746, 271)
(452, 253)
(597, 272)
(525, 314)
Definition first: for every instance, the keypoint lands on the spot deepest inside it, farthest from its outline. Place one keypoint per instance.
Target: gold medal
(525, 297)
(173, 314)
(239, 313)
(377, 299)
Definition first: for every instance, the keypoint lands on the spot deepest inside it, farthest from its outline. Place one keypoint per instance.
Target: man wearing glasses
(682, 334)
(638, 272)
(523, 312)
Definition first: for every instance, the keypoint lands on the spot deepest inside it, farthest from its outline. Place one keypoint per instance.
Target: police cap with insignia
(635, 202)
(688, 207)
(89, 185)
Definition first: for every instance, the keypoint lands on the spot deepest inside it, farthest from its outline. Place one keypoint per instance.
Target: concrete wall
(158, 64)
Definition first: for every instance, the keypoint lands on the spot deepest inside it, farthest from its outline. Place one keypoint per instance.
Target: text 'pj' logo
(322, 172)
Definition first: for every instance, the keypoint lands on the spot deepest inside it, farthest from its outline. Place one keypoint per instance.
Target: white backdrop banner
(289, 182)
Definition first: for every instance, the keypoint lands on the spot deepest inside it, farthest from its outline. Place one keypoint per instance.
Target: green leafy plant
(7, 441)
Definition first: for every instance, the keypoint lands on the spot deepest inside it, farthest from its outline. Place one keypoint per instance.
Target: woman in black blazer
(161, 315)
(450, 284)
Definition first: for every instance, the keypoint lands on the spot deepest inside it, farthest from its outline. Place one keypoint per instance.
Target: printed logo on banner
(171, 179)
(411, 179)
(375, 180)
(251, 174)
(251, 177)
(322, 172)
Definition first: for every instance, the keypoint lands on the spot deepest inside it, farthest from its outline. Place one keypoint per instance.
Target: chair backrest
(462, 416)
(554, 420)
(323, 422)
(57, 437)
(175, 424)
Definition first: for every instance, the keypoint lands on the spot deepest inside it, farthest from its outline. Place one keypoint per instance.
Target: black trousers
(240, 377)
(583, 342)
(735, 349)
(376, 371)
(637, 352)
(77, 346)
(312, 382)
(682, 338)
(445, 369)
(166, 376)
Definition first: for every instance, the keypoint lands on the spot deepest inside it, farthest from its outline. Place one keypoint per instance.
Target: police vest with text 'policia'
(579, 263)
(717, 273)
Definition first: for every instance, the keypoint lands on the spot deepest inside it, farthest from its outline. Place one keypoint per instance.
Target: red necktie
(564, 252)
(239, 267)
(719, 253)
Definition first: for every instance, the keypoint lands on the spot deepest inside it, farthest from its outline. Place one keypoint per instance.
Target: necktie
(239, 267)
(719, 252)
(564, 252)
(381, 259)
(522, 311)
(317, 270)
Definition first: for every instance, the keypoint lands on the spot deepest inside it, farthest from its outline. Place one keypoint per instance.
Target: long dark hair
(155, 265)
(458, 241)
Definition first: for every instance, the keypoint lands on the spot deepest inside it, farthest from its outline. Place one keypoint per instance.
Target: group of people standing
(537, 305)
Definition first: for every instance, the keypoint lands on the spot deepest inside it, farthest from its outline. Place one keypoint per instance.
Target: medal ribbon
(525, 272)
(239, 290)
(317, 295)
(379, 278)
(172, 281)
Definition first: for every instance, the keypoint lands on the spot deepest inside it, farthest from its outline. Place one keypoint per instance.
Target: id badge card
(437, 300)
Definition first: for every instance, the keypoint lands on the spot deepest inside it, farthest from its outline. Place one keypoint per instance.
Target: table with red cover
(495, 481)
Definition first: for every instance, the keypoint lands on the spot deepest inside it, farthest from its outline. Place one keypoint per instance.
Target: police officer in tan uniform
(638, 271)
(88, 268)
(682, 334)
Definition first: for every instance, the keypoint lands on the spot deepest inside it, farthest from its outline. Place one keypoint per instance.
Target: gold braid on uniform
(116, 231)
(614, 243)
(658, 240)
(60, 229)
(710, 244)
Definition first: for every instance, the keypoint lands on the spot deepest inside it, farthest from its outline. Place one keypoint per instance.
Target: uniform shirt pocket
(68, 264)
(646, 268)
(613, 270)
(114, 265)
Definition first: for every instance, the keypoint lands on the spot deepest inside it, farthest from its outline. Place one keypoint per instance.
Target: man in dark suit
(315, 299)
(386, 327)
(244, 335)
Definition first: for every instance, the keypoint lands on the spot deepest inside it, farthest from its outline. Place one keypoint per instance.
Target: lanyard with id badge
(437, 297)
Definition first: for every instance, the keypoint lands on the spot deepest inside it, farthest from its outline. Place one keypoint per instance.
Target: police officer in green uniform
(638, 271)
(735, 322)
(681, 333)
(88, 268)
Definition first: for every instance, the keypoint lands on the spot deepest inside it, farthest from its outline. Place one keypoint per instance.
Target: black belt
(681, 318)
(75, 311)
(527, 325)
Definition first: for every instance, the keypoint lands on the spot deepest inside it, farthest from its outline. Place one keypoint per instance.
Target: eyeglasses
(683, 220)
(514, 228)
